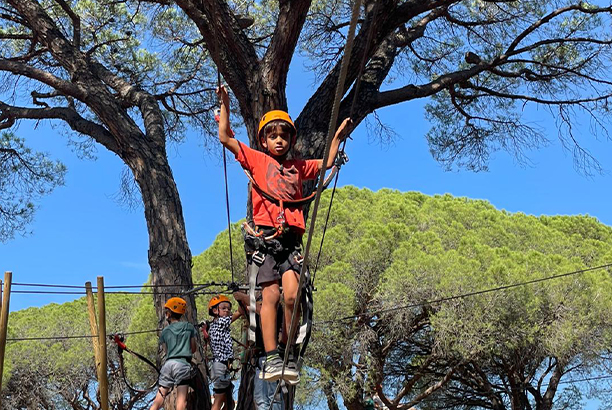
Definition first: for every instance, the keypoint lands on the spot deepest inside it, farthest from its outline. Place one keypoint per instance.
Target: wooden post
(4, 316)
(93, 325)
(103, 377)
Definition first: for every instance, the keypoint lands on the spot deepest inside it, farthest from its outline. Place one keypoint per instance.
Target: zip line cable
(44, 292)
(21, 339)
(460, 296)
(221, 284)
(484, 291)
(466, 295)
(43, 285)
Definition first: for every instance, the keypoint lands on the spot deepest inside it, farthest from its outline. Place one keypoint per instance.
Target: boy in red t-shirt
(281, 177)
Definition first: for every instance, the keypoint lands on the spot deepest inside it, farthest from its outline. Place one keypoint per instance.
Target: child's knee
(271, 295)
(290, 299)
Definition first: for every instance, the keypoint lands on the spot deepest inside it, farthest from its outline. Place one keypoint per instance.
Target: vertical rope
(331, 200)
(227, 204)
(356, 89)
(331, 130)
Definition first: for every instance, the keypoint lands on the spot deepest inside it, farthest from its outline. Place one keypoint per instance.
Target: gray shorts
(220, 377)
(173, 372)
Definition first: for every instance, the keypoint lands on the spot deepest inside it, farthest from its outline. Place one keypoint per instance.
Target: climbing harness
(257, 246)
(119, 340)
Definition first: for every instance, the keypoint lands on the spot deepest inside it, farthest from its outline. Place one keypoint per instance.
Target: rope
(331, 200)
(44, 285)
(22, 339)
(229, 224)
(227, 204)
(119, 340)
(332, 125)
(362, 66)
(373, 313)
(465, 295)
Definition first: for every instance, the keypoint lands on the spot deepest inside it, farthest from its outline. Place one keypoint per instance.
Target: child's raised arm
(226, 136)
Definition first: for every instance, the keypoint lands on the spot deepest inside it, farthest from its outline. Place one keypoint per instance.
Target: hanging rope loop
(119, 340)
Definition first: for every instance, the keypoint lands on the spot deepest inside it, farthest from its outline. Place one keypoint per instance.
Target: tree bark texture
(109, 97)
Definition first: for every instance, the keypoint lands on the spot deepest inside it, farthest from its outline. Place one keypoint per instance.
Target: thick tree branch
(67, 114)
(385, 23)
(76, 23)
(429, 391)
(44, 77)
(229, 47)
(48, 33)
(548, 18)
(276, 61)
(8, 36)
(524, 97)
(411, 91)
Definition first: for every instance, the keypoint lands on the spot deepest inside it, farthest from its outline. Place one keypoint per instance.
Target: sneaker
(272, 369)
(292, 375)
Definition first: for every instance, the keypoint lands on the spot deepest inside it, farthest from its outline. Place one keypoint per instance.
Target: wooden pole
(103, 377)
(4, 316)
(93, 325)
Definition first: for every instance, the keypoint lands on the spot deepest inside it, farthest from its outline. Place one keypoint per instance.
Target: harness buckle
(258, 257)
(299, 259)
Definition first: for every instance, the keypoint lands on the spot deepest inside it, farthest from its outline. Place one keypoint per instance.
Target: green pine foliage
(385, 306)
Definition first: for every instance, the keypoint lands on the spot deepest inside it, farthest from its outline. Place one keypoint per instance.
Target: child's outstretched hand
(223, 95)
(343, 129)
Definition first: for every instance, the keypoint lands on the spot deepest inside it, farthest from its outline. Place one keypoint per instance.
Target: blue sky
(81, 232)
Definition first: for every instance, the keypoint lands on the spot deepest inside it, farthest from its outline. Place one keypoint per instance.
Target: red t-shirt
(283, 181)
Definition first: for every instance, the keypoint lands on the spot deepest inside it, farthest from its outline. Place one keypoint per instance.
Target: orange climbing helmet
(177, 305)
(215, 301)
(273, 116)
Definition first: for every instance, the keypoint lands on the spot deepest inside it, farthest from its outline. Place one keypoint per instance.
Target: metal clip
(341, 159)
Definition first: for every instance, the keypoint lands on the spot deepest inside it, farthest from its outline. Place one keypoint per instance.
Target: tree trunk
(169, 253)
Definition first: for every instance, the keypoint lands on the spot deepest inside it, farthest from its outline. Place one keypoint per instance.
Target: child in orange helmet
(179, 337)
(220, 308)
(283, 178)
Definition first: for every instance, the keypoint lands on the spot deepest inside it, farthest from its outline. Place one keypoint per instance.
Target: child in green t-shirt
(180, 340)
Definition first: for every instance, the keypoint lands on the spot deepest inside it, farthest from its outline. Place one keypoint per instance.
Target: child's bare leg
(162, 392)
(291, 281)
(219, 400)
(271, 297)
(181, 397)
